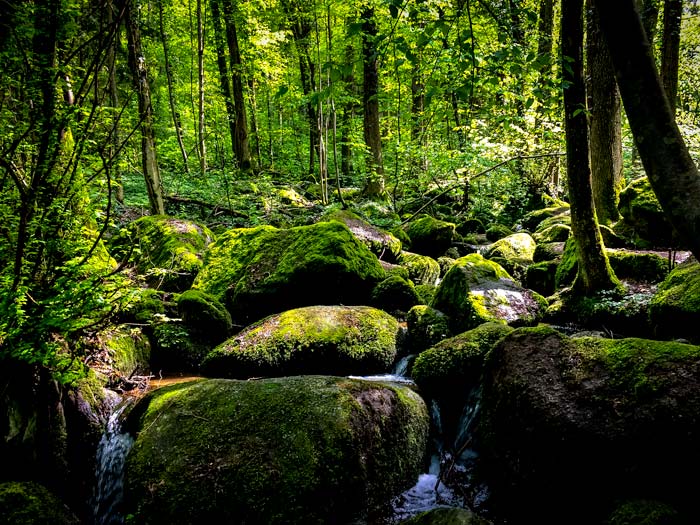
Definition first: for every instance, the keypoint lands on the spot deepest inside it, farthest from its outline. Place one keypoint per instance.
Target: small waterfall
(397, 374)
(428, 493)
(109, 471)
(401, 366)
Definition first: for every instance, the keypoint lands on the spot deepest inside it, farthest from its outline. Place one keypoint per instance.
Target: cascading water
(111, 458)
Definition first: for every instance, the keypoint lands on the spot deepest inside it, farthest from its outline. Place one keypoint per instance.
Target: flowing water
(111, 457)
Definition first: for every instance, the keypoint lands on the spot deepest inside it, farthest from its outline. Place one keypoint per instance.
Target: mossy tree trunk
(606, 123)
(594, 273)
(667, 162)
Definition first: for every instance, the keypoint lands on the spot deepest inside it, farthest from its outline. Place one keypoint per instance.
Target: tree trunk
(606, 124)
(670, 49)
(650, 17)
(348, 113)
(114, 103)
(200, 93)
(594, 272)
(139, 74)
(241, 145)
(370, 104)
(671, 171)
(177, 122)
(224, 76)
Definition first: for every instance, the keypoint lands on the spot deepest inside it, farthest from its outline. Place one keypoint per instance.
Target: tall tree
(667, 162)
(241, 146)
(670, 49)
(374, 185)
(606, 123)
(594, 272)
(201, 142)
(141, 83)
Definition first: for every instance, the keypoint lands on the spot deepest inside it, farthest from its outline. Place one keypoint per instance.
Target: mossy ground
(28, 503)
(273, 451)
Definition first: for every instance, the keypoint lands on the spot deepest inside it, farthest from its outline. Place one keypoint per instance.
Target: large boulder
(395, 295)
(294, 450)
(336, 340)
(476, 291)
(204, 315)
(259, 271)
(570, 427)
(426, 326)
(421, 268)
(531, 221)
(127, 349)
(381, 243)
(28, 503)
(168, 250)
(430, 236)
(518, 247)
(642, 216)
(674, 311)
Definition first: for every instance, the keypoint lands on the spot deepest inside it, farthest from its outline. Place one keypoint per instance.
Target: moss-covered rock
(204, 315)
(338, 340)
(541, 277)
(395, 295)
(532, 220)
(146, 304)
(426, 292)
(642, 214)
(175, 348)
(446, 516)
(446, 263)
(128, 349)
(273, 451)
(395, 270)
(168, 250)
(639, 266)
(263, 270)
(575, 419)
(674, 311)
(548, 251)
(426, 327)
(553, 233)
(421, 268)
(518, 246)
(645, 512)
(476, 290)
(454, 365)
(470, 226)
(430, 236)
(28, 503)
(498, 231)
(381, 243)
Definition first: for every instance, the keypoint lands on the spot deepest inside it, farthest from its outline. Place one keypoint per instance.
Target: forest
(363, 262)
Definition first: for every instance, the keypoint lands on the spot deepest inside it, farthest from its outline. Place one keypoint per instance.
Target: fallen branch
(214, 207)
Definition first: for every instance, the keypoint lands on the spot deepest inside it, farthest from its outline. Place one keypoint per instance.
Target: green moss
(147, 303)
(273, 451)
(261, 270)
(168, 250)
(553, 233)
(204, 315)
(430, 236)
(470, 226)
(532, 220)
(638, 368)
(556, 220)
(128, 349)
(92, 390)
(426, 292)
(317, 339)
(421, 268)
(446, 263)
(643, 216)
(645, 512)
(675, 308)
(395, 295)
(497, 231)
(28, 503)
(454, 365)
(648, 267)
(568, 266)
(401, 235)
(426, 327)
(395, 270)
(518, 246)
(541, 277)
(548, 251)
